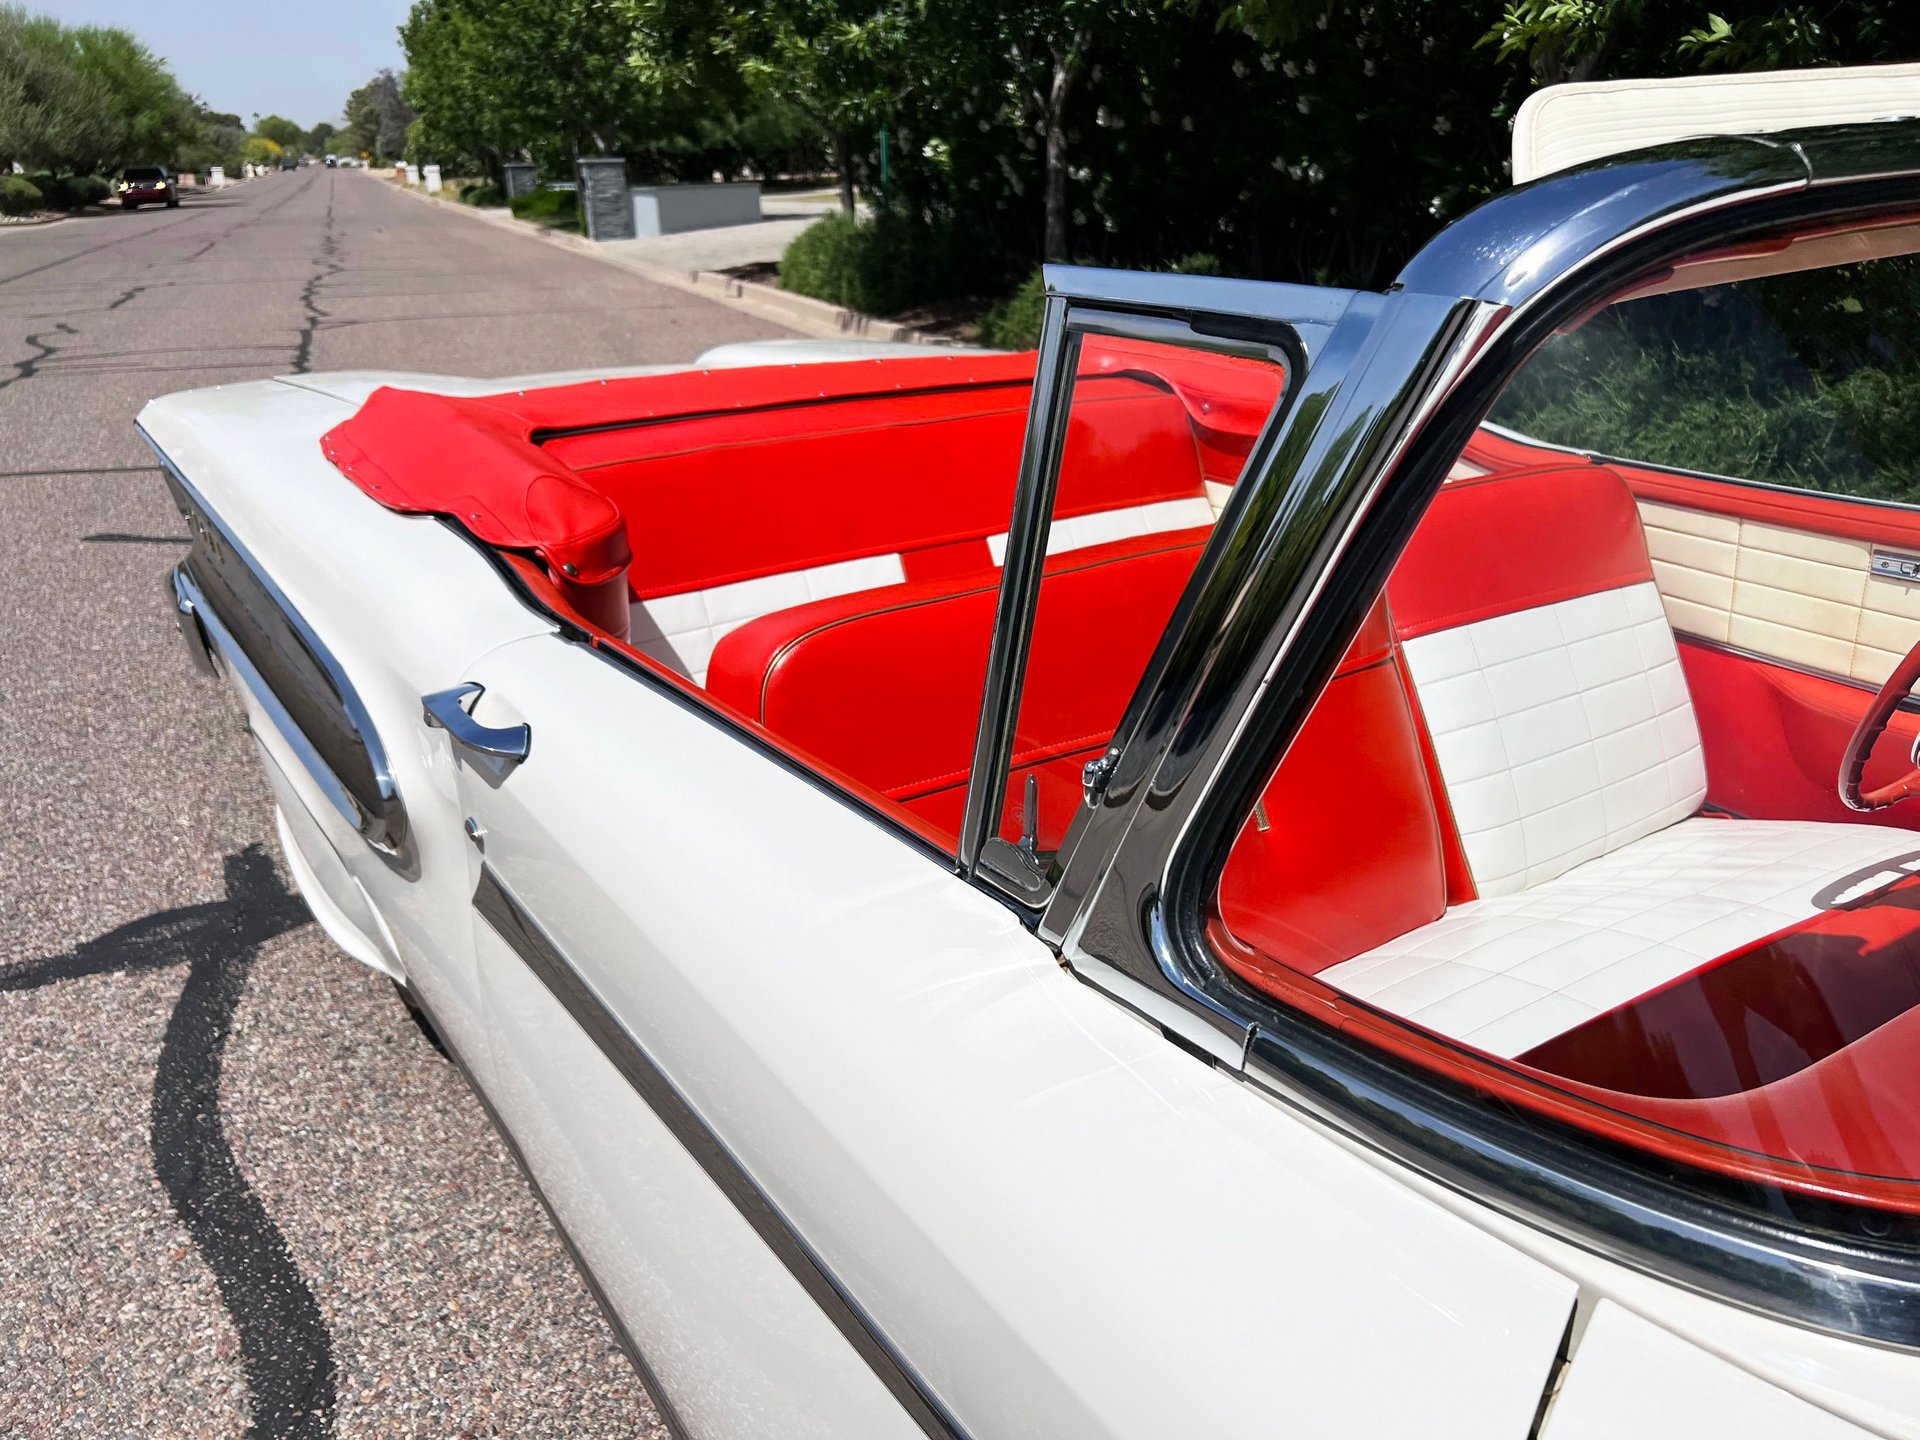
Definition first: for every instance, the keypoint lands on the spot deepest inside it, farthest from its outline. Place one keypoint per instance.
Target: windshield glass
(144, 172)
(1809, 379)
(1602, 722)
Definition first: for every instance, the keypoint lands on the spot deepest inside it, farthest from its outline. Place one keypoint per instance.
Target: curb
(767, 302)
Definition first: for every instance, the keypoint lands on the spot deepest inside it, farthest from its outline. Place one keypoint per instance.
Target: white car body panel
(1631, 1378)
(883, 1048)
(1875, 1387)
(978, 1144)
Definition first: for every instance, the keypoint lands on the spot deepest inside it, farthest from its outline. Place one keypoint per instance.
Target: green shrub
(70, 192)
(1014, 324)
(484, 193)
(876, 266)
(555, 209)
(18, 196)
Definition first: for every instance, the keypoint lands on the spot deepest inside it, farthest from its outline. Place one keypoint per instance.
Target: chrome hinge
(1095, 774)
(1891, 566)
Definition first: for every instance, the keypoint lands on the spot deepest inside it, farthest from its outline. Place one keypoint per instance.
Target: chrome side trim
(523, 934)
(1763, 1257)
(383, 822)
(237, 661)
(662, 1401)
(192, 633)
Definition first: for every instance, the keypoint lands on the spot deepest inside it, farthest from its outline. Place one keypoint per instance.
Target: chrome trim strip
(1762, 1257)
(237, 660)
(522, 933)
(1173, 310)
(662, 1401)
(350, 701)
(1027, 529)
(1601, 457)
(193, 634)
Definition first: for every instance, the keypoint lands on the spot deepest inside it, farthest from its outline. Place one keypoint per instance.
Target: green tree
(1601, 39)
(841, 63)
(549, 76)
(52, 115)
(319, 140)
(281, 131)
(377, 118)
(154, 116)
(80, 99)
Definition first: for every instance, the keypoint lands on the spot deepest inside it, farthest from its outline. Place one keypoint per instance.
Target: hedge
(556, 209)
(19, 196)
(70, 192)
(876, 266)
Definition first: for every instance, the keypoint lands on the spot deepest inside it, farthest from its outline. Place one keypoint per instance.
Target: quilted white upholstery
(1077, 532)
(1562, 732)
(680, 631)
(1507, 973)
(1789, 594)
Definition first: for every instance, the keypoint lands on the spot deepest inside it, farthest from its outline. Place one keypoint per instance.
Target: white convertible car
(1298, 862)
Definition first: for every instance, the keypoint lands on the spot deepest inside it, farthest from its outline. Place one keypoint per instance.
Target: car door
(849, 1151)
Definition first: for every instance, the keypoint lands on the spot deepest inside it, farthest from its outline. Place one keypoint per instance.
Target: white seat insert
(1507, 973)
(1571, 762)
(1562, 732)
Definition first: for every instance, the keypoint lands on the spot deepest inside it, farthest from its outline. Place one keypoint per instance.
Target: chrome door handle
(444, 710)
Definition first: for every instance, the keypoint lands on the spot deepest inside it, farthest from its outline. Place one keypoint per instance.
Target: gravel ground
(238, 1192)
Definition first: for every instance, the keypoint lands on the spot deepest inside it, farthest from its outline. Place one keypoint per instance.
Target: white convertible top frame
(1567, 125)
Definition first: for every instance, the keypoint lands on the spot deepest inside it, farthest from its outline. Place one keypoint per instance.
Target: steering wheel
(1853, 763)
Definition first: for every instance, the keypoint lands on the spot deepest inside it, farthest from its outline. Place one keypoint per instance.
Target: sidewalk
(694, 259)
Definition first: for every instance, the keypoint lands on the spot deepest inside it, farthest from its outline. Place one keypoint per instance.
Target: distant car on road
(146, 185)
(290, 163)
(331, 162)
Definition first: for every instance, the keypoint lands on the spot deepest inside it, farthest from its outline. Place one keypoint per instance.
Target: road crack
(28, 368)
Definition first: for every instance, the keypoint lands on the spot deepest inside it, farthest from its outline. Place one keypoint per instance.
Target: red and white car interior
(1563, 825)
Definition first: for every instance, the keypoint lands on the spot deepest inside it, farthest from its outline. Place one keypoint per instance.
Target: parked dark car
(146, 185)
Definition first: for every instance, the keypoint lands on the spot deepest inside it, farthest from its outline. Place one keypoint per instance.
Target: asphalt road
(238, 1192)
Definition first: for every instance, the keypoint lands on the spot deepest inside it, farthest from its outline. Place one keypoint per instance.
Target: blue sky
(268, 57)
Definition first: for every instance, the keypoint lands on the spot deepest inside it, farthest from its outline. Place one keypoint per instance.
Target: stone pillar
(606, 205)
(216, 177)
(413, 174)
(518, 178)
(431, 175)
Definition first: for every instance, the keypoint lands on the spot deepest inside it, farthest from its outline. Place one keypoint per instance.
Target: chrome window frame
(1281, 324)
(1398, 389)
(380, 819)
